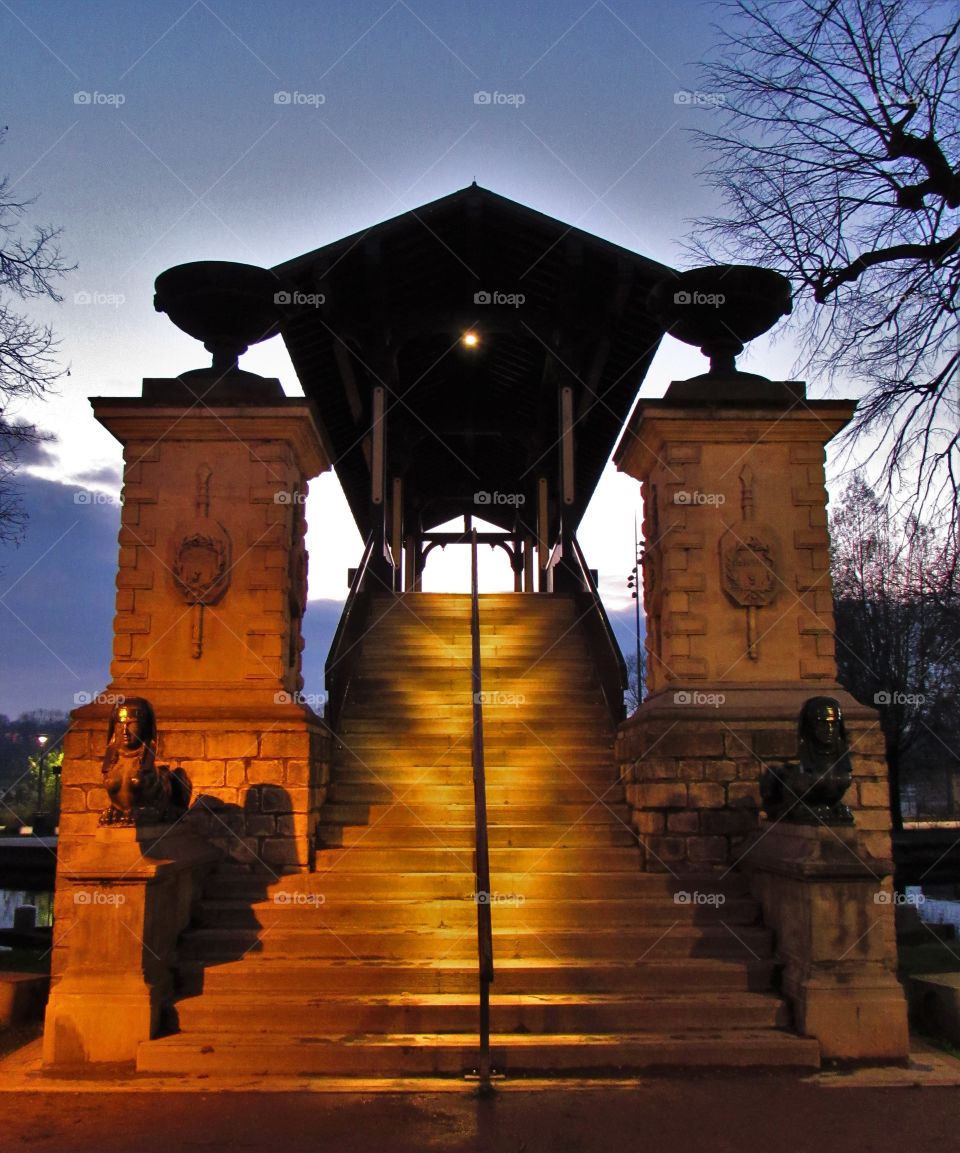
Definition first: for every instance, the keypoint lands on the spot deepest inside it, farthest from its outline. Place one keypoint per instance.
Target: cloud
(105, 475)
(56, 600)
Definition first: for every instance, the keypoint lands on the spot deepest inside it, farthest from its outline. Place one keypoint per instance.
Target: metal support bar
(567, 478)
(484, 926)
(396, 532)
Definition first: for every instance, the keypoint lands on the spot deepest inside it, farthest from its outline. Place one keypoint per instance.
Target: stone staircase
(368, 966)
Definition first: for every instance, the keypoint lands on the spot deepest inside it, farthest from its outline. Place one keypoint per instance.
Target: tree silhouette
(896, 591)
(837, 160)
(30, 264)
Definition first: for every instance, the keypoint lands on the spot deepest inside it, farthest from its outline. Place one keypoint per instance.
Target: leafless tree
(837, 160)
(896, 593)
(30, 264)
(636, 685)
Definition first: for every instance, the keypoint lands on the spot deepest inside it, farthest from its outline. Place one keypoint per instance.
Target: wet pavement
(859, 1111)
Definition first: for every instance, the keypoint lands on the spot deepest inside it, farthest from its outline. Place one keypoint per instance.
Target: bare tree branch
(838, 162)
(30, 264)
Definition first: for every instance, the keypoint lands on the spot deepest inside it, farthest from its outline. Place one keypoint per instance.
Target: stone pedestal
(830, 904)
(211, 589)
(22, 997)
(123, 899)
(693, 780)
(738, 602)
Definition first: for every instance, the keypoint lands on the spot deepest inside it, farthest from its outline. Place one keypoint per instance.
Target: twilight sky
(172, 131)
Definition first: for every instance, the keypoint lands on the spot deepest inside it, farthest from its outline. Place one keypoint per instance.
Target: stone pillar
(736, 563)
(211, 590)
(217, 489)
(738, 604)
(739, 615)
(220, 489)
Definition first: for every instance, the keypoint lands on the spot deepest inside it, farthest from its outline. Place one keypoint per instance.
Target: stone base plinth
(124, 896)
(22, 997)
(691, 762)
(935, 1005)
(256, 777)
(829, 902)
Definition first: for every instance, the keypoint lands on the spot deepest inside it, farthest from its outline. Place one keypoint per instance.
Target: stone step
(506, 730)
(426, 1054)
(458, 619)
(678, 941)
(561, 858)
(460, 602)
(568, 790)
(549, 776)
(541, 605)
(499, 716)
(352, 771)
(448, 774)
(407, 667)
(237, 1014)
(379, 653)
(554, 688)
(258, 976)
(367, 966)
(540, 683)
(511, 909)
(422, 835)
(390, 750)
(401, 813)
(496, 660)
(519, 631)
(510, 762)
(429, 886)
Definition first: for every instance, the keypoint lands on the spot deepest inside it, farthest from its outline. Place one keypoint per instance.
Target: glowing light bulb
(470, 339)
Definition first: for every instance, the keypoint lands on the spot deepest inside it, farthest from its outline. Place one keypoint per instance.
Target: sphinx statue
(140, 791)
(809, 791)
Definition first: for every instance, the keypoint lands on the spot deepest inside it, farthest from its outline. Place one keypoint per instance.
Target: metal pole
(484, 927)
(636, 597)
(43, 749)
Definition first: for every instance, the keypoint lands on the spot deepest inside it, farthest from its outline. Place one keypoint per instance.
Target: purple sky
(166, 132)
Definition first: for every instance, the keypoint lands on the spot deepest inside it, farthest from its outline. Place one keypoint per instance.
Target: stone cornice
(293, 421)
(655, 422)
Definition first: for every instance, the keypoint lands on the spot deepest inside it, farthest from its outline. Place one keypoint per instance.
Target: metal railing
(344, 648)
(611, 668)
(484, 925)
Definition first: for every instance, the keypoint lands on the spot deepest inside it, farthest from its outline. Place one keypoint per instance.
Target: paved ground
(869, 1111)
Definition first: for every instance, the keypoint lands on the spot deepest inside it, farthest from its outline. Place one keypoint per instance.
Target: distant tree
(30, 264)
(838, 161)
(897, 608)
(18, 741)
(24, 798)
(635, 685)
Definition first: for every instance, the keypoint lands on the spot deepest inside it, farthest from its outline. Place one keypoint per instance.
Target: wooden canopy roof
(550, 305)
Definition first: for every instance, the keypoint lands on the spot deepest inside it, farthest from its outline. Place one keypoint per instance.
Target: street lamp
(41, 741)
(633, 584)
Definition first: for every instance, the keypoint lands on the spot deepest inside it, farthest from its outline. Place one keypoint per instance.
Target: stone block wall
(736, 584)
(253, 489)
(257, 786)
(693, 784)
